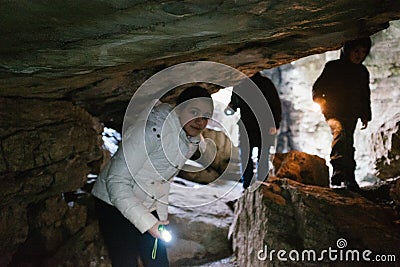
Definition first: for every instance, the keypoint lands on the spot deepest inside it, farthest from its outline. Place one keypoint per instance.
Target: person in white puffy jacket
(131, 192)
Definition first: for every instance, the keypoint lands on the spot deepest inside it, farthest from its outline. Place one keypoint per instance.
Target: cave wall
(385, 147)
(382, 145)
(47, 148)
(289, 216)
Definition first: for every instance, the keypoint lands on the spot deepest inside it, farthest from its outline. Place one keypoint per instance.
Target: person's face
(358, 54)
(194, 115)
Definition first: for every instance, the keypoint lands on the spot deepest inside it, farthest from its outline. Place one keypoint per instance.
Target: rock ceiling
(96, 53)
(64, 65)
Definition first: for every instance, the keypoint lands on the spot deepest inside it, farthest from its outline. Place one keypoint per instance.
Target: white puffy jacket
(136, 180)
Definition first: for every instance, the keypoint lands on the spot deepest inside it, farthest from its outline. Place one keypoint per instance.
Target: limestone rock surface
(386, 149)
(200, 219)
(47, 148)
(301, 167)
(98, 53)
(286, 215)
(222, 163)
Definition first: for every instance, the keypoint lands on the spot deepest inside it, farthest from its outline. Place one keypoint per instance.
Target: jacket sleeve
(275, 103)
(124, 192)
(162, 203)
(320, 86)
(234, 103)
(366, 113)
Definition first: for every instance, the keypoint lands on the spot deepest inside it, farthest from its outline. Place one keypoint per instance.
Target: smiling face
(358, 54)
(194, 115)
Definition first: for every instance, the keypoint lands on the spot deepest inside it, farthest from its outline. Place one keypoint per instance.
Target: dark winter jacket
(247, 116)
(345, 88)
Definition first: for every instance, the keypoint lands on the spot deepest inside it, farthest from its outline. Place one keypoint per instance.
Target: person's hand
(228, 110)
(320, 100)
(364, 124)
(273, 131)
(320, 103)
(154, 229)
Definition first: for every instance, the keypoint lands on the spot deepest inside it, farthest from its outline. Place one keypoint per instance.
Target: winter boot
(351, 183)
(338, 177)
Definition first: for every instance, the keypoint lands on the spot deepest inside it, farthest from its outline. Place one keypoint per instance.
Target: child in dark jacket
(343, 92)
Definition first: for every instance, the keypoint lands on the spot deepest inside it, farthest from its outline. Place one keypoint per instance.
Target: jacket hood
(350, 45)
(159, 113)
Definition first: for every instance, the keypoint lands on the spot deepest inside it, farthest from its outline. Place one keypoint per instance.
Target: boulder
(225, 161)
(199, 220)
(205, 176)
(386, 149)
(224, 149)
(301, 167)
(289, 216)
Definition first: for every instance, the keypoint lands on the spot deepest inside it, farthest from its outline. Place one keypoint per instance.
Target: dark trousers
(124, 241)
(342, 153)
(248, 141)
(247, 167)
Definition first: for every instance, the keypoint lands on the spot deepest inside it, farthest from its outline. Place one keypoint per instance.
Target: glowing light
(165, 234)
(315, 107)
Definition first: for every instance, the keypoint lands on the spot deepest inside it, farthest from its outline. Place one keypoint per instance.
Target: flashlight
(319, 103)
(229, 111)
(165, 234)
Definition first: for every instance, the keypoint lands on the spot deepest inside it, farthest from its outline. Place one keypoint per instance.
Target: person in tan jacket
(132, 191)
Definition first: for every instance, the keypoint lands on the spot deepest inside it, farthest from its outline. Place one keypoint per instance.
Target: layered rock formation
(300, 220)
(386, 147)
(301, 167)
(67, 67)
(201, 222)
(225, 161)
(97, 54)
(47, 148)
